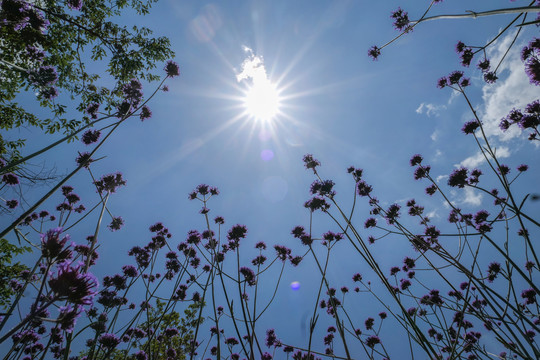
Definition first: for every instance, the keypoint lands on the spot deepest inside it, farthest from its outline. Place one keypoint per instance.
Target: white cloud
(252, 68)
(478, 158)
(430, 109)
(441, 177)
(432, 214)
(472, 197)
(512, 90)
(435, 135)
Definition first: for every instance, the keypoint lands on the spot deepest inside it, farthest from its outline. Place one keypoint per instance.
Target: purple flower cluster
(401, 20)
(172, 69)
(109, 183)
(322, 188)
(531, 56)
(466, 54)
(74, 4)
(454, 78)
(73, 285)
(529, 118)
(90, 136)
(52, 245)
(19, 16)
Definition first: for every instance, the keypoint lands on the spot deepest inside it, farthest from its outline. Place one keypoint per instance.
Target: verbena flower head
(52, 244)
(374, 52)
(44, 76)
(172, 69)
(68, 317)
(109, 341)
(323, 188)
(116, 223)
(401, 20)
(48, 93)
(310, 162)
(90, 136)
(72, 285)
(12, 204)
(146, 113)
(109, 183)
(133, 91)
(317, 203)
(416, 160)
(470, 126)
(84, 159)
(10, 179)
(74, 4)
(458, 178)
(237, 232)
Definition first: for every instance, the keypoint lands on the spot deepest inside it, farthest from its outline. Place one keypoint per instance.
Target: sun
(262, 100)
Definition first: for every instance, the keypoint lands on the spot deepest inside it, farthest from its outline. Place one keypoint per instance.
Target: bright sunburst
(261, 99)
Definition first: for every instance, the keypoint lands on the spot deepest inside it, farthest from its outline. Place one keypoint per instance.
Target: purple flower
(68, 317)
(72, 285)
(116, 223)
(454, 77)
(271, 338)
(12, 204)
(310, 162)
(529, 295)
(363, 188)
(51, 243)
(237, 232)
(416, 160)
(49, 93)
(109, 341)
(145, 113)
(92, 110)
(317, 203)
(532, 68)
(470, 126)
(90, 136)
(172, 69)
(130, 271)
(374, 52)
(372, 341)
(34, 53)
(249, 275)
(140, 355)
(442, 82)
(371, 222)
(43, 76)
(466, 57)
(109, 183)
(282, 252)
(401, 20)
(331, 236)
(323, 188)
(74, 4)
(10, 179)
(369, 323)
(133, 92)
(83, 159)
(458, 178)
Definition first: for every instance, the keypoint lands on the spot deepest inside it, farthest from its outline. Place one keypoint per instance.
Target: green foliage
(160, 319)
(80, 45)
(9, 271)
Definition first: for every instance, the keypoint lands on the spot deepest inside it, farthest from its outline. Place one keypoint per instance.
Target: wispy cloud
(430, 109)
(253, 69)
(513, 89)
(472, 197)
(478, 158)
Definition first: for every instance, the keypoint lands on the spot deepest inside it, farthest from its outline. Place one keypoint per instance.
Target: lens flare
(262, 100)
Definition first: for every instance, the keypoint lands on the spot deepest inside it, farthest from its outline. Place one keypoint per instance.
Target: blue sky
(336, 103)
